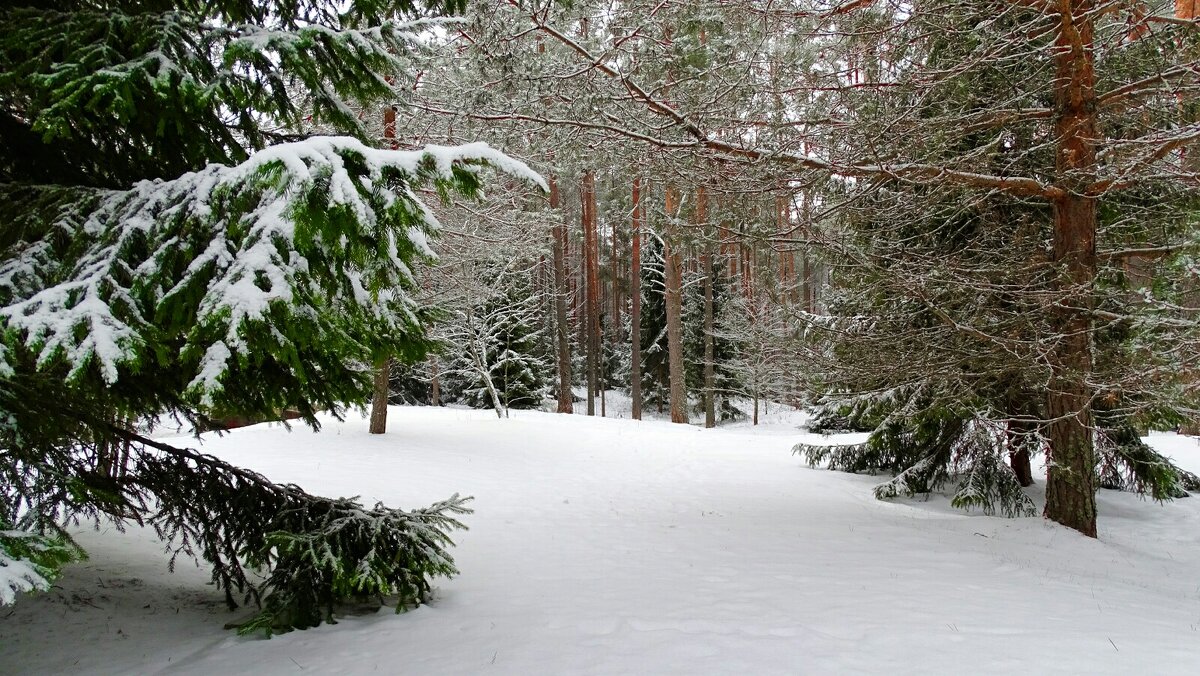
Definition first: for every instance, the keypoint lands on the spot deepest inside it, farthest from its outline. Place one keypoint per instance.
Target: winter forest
(599, 336)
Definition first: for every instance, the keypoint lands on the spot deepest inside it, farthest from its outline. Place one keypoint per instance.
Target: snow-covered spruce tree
(499, 359)
(766, 363)
(725, 343)
(171, 247)
(655, 381)
(951, 305)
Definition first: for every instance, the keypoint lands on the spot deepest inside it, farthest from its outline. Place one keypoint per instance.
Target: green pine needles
(176, 244)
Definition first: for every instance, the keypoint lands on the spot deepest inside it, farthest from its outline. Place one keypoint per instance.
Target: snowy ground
(607, 546)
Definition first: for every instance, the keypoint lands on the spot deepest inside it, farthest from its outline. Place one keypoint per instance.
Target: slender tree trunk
(635, 303)
(809, 289)
(1185, 9)
(1019, 433)
(587, 194)
(561, 291)
(1070, 480)
(435, 385)
(673, 265)
(493, 394)
(379, 395)
(379, 399)
(710, 380)
(614, 272)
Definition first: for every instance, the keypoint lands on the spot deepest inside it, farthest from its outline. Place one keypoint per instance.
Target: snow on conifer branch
(315, 233)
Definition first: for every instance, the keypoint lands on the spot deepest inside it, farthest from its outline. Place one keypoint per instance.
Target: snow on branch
(319, 231)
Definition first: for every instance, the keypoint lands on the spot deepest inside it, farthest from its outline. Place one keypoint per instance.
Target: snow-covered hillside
(606, 546)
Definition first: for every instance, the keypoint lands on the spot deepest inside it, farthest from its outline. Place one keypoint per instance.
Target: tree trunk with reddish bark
(379, 399)
(381, 389)
(561, 291)
(591, 304)
(710, 380)
(635, 302)
(1070, 477)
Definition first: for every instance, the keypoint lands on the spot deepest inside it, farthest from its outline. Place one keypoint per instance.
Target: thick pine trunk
(635, 303)
(561, 291)
(1070, 478)
(674, 301)
(379, 398)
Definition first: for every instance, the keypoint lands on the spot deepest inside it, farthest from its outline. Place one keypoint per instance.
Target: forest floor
(610, 546)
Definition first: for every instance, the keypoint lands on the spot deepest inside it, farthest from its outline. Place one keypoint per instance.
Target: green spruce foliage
(726, 383)
(500, 347)
(174, 245)
(656, 386)
(946, 301)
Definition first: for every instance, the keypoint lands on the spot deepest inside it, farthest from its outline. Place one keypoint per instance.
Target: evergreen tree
(174, 246)
(497, 343)
(942, 343)
(725, 343)
(656, 386)
(516, 361)
(655, 371)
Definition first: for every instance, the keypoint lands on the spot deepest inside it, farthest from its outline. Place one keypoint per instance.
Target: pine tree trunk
(435, 385)
(674, 302)
(809, 290)
(635, 303)
(587, 194)
(1070, 480)
(710, 380)
(379, 399)
(710, 407)
(614, 274)
(1018, 452)
(561, 291)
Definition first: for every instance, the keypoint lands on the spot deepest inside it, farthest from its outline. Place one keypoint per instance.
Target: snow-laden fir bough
(174, 244)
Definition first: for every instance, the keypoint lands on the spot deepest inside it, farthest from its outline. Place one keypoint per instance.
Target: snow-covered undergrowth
(606, 546)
